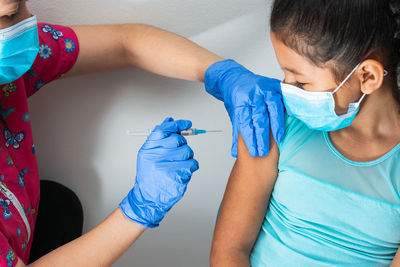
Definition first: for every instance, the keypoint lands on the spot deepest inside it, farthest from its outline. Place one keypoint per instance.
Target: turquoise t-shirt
(326, 210)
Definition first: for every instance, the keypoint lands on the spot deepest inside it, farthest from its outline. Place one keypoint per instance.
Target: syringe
(189, 132)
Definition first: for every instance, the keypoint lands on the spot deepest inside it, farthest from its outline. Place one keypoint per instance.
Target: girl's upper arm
(396, 260)
(245, 200)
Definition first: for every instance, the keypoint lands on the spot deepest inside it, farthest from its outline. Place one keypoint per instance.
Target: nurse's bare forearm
(108, 47)
(166, 53)
(102, 246)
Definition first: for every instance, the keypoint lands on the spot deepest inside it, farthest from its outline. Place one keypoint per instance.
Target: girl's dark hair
(344, 32)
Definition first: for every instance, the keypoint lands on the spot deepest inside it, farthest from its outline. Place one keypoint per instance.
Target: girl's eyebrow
(294, 71)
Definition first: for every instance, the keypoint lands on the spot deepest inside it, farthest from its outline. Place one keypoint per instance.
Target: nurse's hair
(344, 32)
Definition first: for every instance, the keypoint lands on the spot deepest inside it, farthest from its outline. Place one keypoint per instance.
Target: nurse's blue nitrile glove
(165, 165)
(253, 103)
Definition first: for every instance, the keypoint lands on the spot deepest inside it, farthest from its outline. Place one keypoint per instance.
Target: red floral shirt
(19, 174)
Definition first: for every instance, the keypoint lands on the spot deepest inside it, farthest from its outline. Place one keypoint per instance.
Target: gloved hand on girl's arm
(254, 104)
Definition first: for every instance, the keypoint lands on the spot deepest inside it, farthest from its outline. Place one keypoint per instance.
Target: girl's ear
(371, 75)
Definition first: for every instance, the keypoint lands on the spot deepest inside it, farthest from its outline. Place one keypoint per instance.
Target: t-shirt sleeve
(7, 256)
(58, 52)
(296, 133)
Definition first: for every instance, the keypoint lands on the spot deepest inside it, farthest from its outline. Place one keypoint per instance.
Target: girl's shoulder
(295, 129)
(296, 133)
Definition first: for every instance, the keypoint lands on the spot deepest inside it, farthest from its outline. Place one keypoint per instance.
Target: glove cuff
(129, 211)
(215, 74)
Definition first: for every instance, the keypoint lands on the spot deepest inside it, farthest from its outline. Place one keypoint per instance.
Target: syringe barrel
(191, 131)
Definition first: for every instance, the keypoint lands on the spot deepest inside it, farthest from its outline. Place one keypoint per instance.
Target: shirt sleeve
(58, 52)
(8, 258)
(296, 133)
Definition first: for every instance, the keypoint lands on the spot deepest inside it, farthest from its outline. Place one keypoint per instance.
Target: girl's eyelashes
(300, 85)
(294, 82)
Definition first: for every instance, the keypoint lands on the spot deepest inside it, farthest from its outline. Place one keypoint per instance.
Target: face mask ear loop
(345, 80)
(361, 99)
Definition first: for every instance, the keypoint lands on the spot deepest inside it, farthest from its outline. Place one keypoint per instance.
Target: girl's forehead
(291, 60)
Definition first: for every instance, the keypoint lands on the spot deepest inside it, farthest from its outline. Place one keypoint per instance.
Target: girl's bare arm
(243, 207)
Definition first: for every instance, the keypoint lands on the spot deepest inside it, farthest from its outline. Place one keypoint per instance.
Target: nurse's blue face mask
(317, 109)
(19, 46)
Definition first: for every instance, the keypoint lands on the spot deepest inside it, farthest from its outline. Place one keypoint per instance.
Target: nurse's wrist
(135, 213)
(218, 73)
(129, 222)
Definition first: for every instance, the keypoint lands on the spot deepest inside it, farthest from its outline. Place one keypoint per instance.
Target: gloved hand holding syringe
(189, 132)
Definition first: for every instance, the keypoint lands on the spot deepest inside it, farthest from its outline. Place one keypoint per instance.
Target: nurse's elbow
(136, 39)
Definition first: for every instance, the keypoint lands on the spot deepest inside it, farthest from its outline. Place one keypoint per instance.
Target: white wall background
(79, 124)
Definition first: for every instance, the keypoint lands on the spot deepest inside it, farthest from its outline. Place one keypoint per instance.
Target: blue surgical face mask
(317, 109)
(19, 46)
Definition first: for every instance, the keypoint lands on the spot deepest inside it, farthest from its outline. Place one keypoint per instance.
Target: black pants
(59, 221)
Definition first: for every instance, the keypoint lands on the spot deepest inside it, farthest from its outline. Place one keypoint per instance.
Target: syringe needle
(191, 131)
(214, 131)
